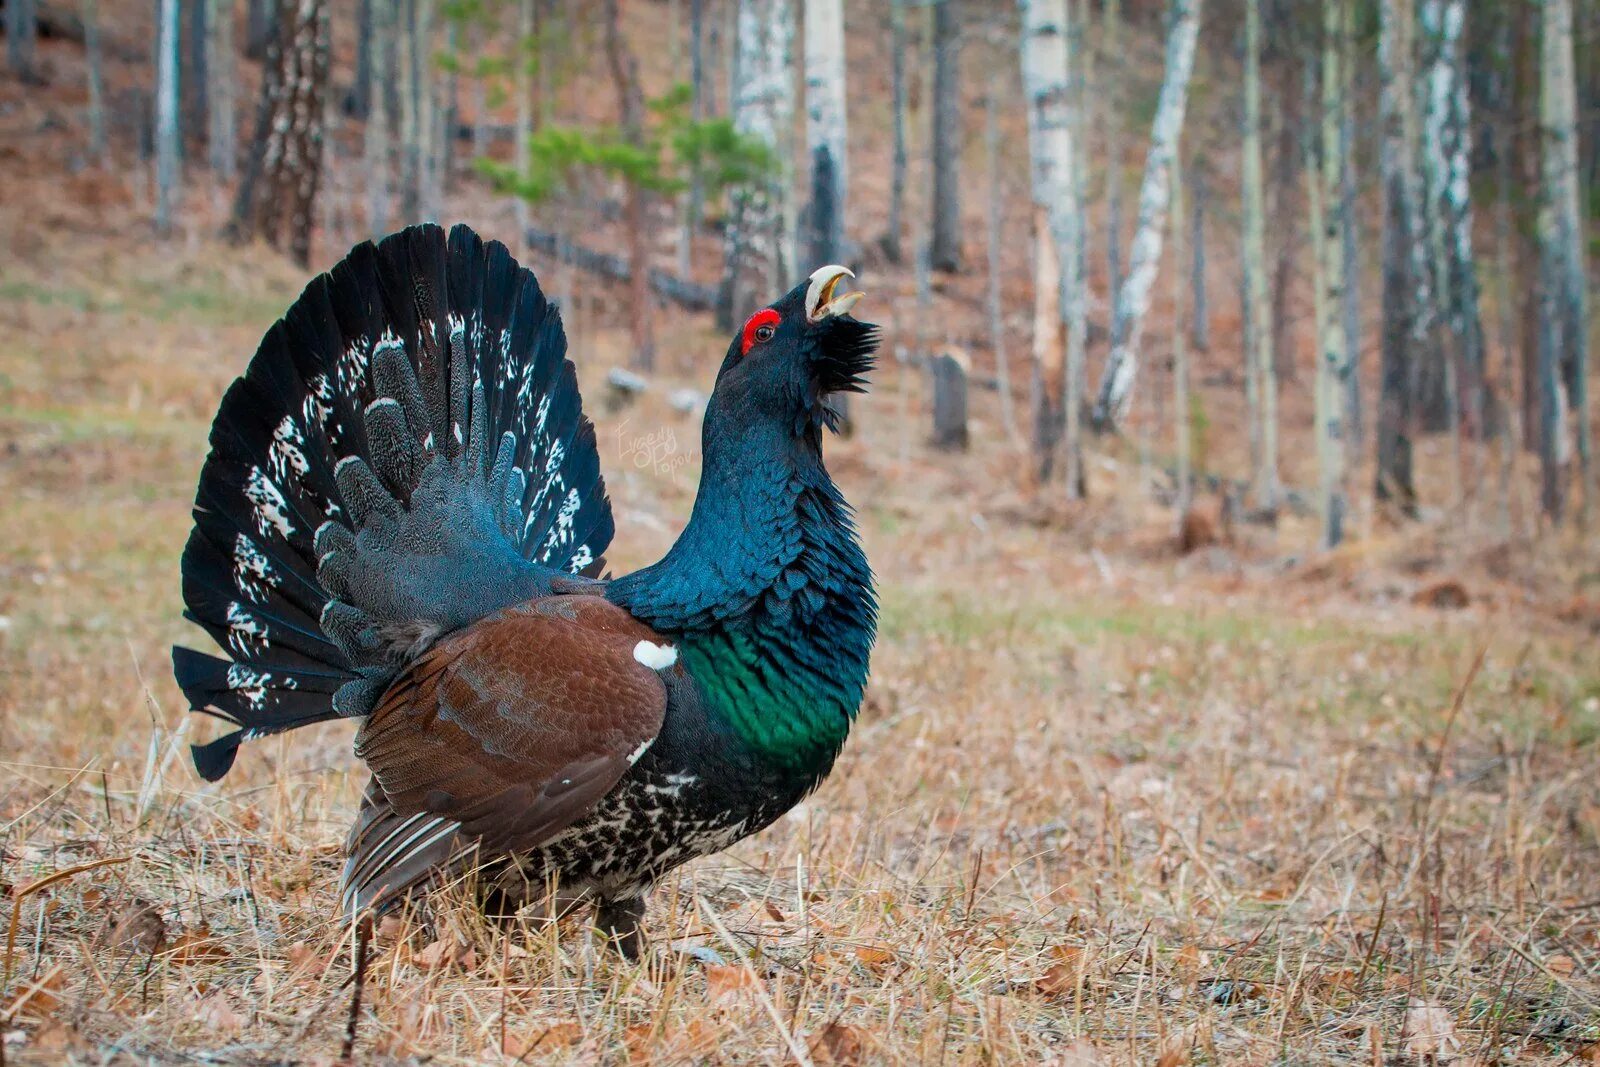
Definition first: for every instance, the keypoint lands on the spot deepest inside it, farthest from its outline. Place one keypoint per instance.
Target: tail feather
(403, 375)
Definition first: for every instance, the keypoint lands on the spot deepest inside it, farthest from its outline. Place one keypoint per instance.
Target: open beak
(820, 301)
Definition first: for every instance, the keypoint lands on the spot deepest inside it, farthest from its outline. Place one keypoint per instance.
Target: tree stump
(949, 371)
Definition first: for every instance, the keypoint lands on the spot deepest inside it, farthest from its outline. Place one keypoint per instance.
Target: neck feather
(768, 594)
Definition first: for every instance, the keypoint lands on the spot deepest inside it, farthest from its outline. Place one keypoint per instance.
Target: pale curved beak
(820, 301)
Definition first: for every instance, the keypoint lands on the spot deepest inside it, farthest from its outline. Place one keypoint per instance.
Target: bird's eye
(760, 328)
(764, 333)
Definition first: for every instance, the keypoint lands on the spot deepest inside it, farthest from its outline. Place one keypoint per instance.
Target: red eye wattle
(762, 325)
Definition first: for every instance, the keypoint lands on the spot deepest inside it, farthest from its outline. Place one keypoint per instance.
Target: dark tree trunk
(359, 101)
(278, 195)
(944, 253)
(630, 99)
(897, 174)
(258, 28)
(949, 403)
(195, 80)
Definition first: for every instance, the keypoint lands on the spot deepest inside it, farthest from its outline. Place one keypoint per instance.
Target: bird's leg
(619, 921)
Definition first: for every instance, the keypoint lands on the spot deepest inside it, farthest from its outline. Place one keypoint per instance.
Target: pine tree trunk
(763, 107)
(1046, 88)
(630, 103)
(277, 197)
(1201, 331)
(94, 62)
(892, 247)
(1155, 191)
(1261, 372)
(945, 240)
(359, 102)
(826, 126)
(258, 27)
(167, 102)
(196, 77)
(1077, 308)
(694, 202)
(1394, 482)
(997, 329)
(222, 141)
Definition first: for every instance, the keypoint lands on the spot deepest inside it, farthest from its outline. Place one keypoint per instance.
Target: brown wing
(508, 732)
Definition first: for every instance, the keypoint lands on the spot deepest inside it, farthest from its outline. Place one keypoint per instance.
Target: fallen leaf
(1429, 1030)
(444, 954)
(218, 1016)
(725, 983)
(875, 956)
(1561, 966)
(773, 913)
(555, 1038)
(1081, 1053)
(1175, 1056)
(838, 1044)
(39, 999)
(196, 945)
(135, 925)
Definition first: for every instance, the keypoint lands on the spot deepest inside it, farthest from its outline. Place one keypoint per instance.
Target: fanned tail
(406, 453)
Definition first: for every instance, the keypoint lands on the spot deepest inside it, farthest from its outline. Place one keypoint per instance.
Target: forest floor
(1105, 803)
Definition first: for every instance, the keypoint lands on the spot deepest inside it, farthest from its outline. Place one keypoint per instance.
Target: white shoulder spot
(656, 657)
(644, 746)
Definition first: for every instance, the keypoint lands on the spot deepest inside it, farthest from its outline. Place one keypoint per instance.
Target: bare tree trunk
(94, 60)
(694, 203)
(258, 27)
(1111, 116)
(522, 86)
(1350, 251)
(897, 163)
(763, 108)
(22, 31)
(1327, 220)
(196, 78)
(278, 194)
(1180, 351)
(1046, 87)
(630, 102)
(222, 141)
(997, 329)
(359, 102)
(1563, 348)
(1154, 192)
(1201, 331)
(376, 150)
(945, 242)
(826, 126)
(167, 63)
(1394, 482)
(1077, 307)
(1261, 369)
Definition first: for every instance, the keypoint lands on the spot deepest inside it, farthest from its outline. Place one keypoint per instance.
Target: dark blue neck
(767, 591)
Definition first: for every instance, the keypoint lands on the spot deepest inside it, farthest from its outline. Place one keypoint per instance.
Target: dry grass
(1103, 805)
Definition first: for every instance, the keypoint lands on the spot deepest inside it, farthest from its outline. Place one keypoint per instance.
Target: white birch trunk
(1046, 89)
(1328, 222)
(756, 258)
(826, 131)
(1155, 191)
(1261, 371)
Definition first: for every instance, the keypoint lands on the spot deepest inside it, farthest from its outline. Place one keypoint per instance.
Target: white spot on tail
(271, 511)
(656, 657)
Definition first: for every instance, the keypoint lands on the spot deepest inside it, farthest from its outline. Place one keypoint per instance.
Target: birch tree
(1046, 89)
(826, 131)
(1180, 351)
(997, 328)
(1402, 335)
(1155, 191)
(1261, 371)
(754, 255)
(1563, 326)
(892, 247)
(1111, 118)
(1327, 220)
(167, 132)
(944, 249)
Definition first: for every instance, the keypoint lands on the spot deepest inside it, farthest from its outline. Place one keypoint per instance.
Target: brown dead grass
(1104, 804)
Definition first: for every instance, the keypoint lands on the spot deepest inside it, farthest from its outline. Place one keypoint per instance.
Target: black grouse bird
(400, 522)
